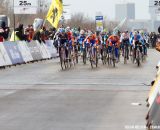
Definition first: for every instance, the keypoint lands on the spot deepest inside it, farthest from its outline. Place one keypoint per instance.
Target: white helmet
(142, 32)
(123, 34)
(135, 33)
(82, 32)
(67, 29)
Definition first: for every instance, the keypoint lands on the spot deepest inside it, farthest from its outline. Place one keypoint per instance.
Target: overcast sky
(107, 7)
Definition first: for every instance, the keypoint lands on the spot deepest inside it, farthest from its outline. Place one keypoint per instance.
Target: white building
(125, 10)
(139, 25)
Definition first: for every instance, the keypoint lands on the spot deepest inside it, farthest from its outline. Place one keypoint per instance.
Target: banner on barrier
(2, 62)
(13, 52)
(51, 48)
(154, 91)
(25, 51)
(47, 51)
(43, 51)
(5, 55)
(153, 114)
(35, 51)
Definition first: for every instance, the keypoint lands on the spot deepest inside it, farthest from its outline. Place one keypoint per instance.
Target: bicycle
(125, 52)
(84, 55)
(138, 55)
(93, 56)
(111, 56)
(144, 54)
(104, 54)
(68, 57)
(62, 55)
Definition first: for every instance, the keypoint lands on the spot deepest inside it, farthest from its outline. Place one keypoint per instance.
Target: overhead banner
(154, 7)
(154, 3)
(25, 6)
(99, 23)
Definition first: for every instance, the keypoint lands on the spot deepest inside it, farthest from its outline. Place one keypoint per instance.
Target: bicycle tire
(138, 58)
(84, 57)
(96, 59)
(113, 57)
(125, 55)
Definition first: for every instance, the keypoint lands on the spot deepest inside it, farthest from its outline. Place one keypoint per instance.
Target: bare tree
(79, 20)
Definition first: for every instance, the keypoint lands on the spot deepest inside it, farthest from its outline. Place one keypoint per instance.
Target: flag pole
(14, 21)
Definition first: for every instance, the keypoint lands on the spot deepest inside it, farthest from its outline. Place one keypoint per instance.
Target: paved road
(42, 97)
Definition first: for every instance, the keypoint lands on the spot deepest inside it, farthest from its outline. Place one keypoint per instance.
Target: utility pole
(14, 19)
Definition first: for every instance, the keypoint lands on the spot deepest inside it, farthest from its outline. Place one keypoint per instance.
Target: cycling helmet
(142, 32)
(61, 30)
(77, 32)
(123, 34)
(135, 33)
(115, 33)
(67, 29)
(82, 32)
(105, 30)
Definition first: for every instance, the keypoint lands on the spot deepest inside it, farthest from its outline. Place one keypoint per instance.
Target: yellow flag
(55, 12)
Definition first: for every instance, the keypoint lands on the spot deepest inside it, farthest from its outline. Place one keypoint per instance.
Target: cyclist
(63, 40)
(69, 33)
(135, 41)
(81, 39)
(18, 34)
(124, 39)
(143, 41)
(114, 40)
(90, 41)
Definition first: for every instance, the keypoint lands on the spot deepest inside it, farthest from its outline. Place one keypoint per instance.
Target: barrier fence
(153, 115)
(13, 53)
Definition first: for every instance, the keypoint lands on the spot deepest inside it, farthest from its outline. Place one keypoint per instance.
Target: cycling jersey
(113, 39)
(81, 39)
(135, 38)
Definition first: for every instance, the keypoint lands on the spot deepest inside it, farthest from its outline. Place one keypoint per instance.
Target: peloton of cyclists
(87, 39)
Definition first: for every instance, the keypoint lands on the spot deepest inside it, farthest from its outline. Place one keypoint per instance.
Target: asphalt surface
(41, 96)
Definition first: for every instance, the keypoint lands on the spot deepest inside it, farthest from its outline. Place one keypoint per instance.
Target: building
(143, 24)
(139, 25)
(125, 10)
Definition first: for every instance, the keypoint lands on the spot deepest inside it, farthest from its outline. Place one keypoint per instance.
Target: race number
(24, 3)
(157, 3)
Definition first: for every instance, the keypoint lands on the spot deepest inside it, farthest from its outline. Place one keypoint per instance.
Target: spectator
(4, 32)
(40, 35)
(29, 31)
(18, 34)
